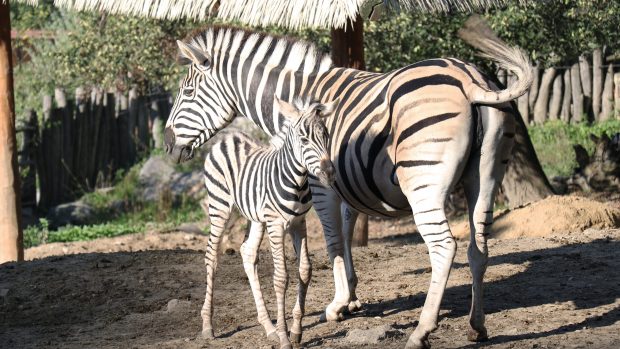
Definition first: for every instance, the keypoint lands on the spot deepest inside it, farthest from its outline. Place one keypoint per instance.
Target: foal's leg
(218, 217)
(249, 253)
(299, 236)
(280, 279)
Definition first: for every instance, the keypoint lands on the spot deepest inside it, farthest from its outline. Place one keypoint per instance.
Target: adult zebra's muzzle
(178, 153)
(327, 173)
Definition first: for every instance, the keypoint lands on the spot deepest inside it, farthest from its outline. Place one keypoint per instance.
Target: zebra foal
(269, 186)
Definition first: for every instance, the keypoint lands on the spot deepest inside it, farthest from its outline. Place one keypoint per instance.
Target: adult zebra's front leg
(349, 218)
(327, 206)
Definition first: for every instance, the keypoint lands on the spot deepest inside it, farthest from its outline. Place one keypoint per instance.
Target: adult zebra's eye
(304, 140)
(188, 92)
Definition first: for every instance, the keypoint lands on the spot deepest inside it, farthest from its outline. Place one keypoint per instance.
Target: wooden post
(577, 94)
(541, 107)
(586, 82)
(157, 125)
(556, 98)
(27, 160)
(617, 94)
(523, 106)
(348, 51)
(607, 102)
(11, 238)
(534, 89)
(566, 101)
(597, 81)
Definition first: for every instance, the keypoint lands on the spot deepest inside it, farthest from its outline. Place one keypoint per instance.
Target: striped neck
(253, 66)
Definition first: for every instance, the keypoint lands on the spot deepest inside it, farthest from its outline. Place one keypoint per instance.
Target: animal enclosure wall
(80, 143)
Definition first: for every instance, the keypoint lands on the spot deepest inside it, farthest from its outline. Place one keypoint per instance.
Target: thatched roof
(287, 13)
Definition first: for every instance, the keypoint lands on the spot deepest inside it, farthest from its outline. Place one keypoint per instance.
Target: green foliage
(90, 232)
(36, 234)
(553, 142)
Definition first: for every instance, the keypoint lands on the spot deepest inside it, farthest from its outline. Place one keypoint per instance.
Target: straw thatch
(286, 13)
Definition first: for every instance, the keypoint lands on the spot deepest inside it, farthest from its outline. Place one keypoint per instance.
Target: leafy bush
(554, 142)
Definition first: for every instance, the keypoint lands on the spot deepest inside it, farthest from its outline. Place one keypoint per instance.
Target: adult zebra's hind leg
(299, 236)
(249, 253)
(426, 179)
(481, 180)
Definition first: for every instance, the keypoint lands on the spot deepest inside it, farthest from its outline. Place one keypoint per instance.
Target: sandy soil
(557, 291)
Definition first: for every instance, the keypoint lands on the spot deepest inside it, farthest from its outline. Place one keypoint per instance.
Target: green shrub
(554, 142)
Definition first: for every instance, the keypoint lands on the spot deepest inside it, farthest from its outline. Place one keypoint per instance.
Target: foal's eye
(188, 92)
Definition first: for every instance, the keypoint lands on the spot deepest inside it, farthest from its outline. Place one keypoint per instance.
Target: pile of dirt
(551, 216)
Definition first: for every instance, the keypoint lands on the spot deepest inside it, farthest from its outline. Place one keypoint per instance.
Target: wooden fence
(587, 90)
(80, 143)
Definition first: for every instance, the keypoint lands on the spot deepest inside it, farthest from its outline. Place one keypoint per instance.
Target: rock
(3, 295)
(154, 175)
(176, 306)
(372, 335)
(190, 184)
(75, 213)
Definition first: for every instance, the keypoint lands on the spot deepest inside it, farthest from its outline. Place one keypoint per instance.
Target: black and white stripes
(269, 186)
(399, 141)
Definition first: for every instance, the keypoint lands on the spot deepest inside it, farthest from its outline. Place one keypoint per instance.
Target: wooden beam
(11, 239)
(348, 51)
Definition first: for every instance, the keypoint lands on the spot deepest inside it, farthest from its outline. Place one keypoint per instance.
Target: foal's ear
(326, 109)
(288, 110)
(189, 54)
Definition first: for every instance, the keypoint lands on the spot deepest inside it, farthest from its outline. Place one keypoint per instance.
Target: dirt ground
(561, 290)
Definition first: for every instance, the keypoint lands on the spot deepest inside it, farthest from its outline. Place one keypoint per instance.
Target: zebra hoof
(295, 337)
(477, 336)
(273, 336)
(355, 306)
(417, 344)
(331, 317)
(207, 333)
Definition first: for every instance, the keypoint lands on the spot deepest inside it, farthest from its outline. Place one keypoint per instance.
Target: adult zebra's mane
(285, 52)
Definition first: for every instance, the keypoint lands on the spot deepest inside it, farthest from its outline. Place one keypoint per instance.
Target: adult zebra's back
(399, 141)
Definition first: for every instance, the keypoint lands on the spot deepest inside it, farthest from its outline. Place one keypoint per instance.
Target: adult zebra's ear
(288, 110)
(189, 54)
(326, 109)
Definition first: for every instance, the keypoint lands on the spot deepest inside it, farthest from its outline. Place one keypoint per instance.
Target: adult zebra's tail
(478, 34)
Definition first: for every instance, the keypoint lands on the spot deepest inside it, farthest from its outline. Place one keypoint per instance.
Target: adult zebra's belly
(366, 183)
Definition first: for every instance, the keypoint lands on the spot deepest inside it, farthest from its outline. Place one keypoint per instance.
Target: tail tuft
(477, 33)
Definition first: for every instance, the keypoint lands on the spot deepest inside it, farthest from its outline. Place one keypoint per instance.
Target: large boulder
(154, 177)
(74, 213)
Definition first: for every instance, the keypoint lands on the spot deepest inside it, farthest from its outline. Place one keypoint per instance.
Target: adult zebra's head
(309, 136)
(201, 108)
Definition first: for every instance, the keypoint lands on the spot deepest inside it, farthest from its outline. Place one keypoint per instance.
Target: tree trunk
(577, 94)
(586, 82)
(348, 51)
(525, 180)
(566, 101)
(556, 98)
(607, 108)
(542, 102)
(597, 81)
(11, 238)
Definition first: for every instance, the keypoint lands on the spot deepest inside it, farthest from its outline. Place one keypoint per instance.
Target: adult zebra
(399, 141)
